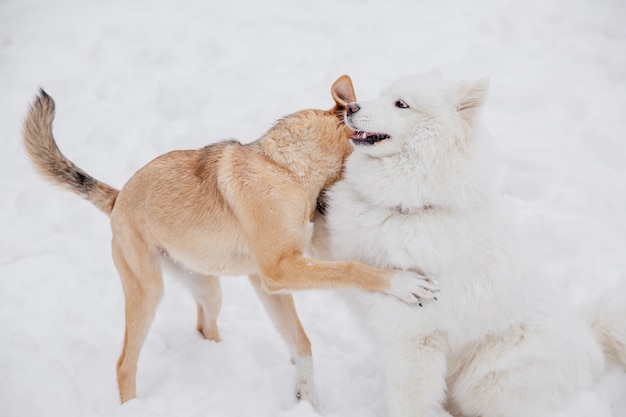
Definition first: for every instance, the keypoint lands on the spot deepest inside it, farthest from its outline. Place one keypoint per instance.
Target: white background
(134, 79)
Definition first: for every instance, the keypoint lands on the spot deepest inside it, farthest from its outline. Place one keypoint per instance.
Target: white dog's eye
(401, 104)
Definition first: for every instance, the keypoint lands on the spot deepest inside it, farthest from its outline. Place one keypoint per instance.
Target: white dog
(418, 192)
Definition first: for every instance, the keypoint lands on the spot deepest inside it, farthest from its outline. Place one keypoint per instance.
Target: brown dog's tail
(53, 165)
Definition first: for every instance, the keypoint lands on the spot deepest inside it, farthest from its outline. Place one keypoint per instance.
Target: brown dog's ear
(343, 92)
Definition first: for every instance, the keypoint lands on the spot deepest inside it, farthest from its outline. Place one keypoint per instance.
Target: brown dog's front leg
(282, 311)
(295, 272)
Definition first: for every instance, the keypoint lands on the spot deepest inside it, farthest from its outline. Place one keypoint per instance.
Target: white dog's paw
(412, 287)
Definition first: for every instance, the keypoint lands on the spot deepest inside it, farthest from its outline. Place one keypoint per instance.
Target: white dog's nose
(353, 108)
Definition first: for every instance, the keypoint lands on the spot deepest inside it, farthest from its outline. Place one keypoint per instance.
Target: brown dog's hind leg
(282, 312)
(207, 292)
(143, 288)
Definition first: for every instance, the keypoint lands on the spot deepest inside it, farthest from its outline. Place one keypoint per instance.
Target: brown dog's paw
(414, 288)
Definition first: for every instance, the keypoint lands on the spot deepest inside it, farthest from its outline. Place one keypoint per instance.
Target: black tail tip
(43, 99)
(43, 94)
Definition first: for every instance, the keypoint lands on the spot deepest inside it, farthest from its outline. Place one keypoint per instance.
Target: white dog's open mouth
(360, 137)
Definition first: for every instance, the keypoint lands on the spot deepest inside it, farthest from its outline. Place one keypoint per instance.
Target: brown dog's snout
(353, 108)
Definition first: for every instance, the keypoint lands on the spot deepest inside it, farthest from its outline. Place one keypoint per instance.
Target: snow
(134, 79)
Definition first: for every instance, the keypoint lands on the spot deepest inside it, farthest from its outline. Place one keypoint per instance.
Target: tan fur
(225, 209)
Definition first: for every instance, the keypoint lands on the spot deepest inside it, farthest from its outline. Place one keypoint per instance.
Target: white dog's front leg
(416, 370)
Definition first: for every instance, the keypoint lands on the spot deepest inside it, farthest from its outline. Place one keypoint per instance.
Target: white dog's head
(423, 129)
(415, 108)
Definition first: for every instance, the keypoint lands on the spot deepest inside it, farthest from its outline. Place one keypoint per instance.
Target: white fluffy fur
(500, 340)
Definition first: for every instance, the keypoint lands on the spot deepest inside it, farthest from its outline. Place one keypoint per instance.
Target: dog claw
(413, 287)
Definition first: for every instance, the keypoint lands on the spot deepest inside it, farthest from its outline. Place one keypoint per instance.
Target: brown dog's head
(314, 144)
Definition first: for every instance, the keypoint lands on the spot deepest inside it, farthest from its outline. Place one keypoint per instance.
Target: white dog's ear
(343, 92)
(471, 98)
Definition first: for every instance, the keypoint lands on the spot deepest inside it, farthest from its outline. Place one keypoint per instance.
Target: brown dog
(225, 209)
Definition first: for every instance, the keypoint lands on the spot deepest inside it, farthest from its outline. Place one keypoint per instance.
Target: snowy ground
(134, 79)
